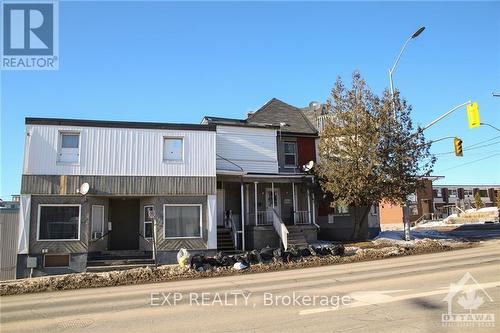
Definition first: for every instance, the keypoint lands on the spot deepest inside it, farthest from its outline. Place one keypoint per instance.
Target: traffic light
(458, 147)
(473, 115)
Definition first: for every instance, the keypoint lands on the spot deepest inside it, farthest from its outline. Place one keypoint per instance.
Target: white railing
(280, 228)
(322, 120)
(302, 217)
(264, 217)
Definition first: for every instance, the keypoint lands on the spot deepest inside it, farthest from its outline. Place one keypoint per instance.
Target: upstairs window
(173, 149)
(69, 147)
(290, 154)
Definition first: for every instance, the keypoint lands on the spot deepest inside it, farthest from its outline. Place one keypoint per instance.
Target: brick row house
(224, 184)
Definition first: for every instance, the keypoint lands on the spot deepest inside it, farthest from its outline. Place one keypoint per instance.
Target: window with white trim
(173, 149)
(148, 221)
(58, 222)
(290, 149)
(341, 210)
(69, 147)
(97, 221)
(182, 221)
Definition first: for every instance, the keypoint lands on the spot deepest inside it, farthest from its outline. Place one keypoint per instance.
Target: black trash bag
(336, 249)
(287, 256)
(211, 261)
(311, 249)
(197, 261)
(321, 251)
(228, 261)
(305, 252)
(243, 260)
(277, 254)
(295, 252)
(253, 257)
(266, 254)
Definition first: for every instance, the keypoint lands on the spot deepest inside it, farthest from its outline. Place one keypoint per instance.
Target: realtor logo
(29, 35)
(464, 300)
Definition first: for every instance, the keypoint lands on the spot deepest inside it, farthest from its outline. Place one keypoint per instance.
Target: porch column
(294, 209)
(314, 209)
(272, 194)
(308, 206)
(255, 197)
(242, 218)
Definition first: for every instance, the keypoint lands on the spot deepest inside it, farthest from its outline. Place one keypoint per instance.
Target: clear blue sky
(176, 62)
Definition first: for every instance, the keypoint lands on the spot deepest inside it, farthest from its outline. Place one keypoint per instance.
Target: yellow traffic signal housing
(458, 147)
(473, 115)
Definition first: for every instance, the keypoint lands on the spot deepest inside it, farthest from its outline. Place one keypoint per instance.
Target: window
(437, 193)
(467, 192)
(69, 147)
(148, 222)
(182, 221)
(290, 154)
(483, 193)
(172, 149)
(56, 260)
(374, 209)
(58, 222)
(341, 210)
(453, 193)
(97, 222)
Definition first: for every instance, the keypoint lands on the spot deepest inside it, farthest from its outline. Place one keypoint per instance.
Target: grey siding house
(134, 175)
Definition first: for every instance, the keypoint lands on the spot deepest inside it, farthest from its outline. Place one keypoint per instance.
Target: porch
(260, 211)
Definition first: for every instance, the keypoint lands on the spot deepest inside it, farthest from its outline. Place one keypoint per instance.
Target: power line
(464, 164)
(478, 143)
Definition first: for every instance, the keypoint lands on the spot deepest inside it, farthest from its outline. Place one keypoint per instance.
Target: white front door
(220, 207)
(277, 201)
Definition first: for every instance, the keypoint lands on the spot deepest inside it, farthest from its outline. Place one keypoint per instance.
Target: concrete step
(96, 269)
(119, 262)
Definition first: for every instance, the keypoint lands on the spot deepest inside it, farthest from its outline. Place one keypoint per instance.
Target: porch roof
(236, 176)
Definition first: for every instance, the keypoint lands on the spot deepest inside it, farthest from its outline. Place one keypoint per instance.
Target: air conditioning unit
(96, 235)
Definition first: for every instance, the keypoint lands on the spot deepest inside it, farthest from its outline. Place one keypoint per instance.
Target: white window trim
(144, 221)
(92, 222)
(58, 240)
(183, 205)
(59, 146)
(163, 149)
(294, 154)
(57, 254)
(341, 214)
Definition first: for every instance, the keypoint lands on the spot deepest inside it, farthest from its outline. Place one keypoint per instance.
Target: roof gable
(276, 112)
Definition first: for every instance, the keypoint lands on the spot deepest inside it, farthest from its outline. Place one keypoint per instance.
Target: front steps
(225, 240)
(105, 261)
(296, 236)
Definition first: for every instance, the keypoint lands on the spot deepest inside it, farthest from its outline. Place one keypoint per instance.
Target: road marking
(366, 298)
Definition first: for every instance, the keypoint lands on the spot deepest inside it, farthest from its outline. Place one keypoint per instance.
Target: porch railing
(264, 217)
(302, 217)
(280, 228)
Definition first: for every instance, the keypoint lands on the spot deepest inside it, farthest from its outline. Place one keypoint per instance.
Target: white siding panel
(120, 152)
(254, 149)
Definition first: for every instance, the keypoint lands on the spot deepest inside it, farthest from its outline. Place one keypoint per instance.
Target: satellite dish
(308, 166)
(84, 189)
(314, 106)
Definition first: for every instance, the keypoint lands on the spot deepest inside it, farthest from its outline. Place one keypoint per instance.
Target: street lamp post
(406, 210)
(393, 68)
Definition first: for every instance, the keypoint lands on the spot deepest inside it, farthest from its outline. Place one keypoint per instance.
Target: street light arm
(393, 68)
(444, 115)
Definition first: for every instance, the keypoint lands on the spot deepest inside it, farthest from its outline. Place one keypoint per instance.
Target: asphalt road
(394, 295)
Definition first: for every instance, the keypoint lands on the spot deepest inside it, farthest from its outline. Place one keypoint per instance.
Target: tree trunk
(360, 225)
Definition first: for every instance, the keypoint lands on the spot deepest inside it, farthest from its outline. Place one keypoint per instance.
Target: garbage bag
(253, 257)
(266, 254)
(197, 261)
(183, 257)
(304, 252)
(239, 266)
(336, 249)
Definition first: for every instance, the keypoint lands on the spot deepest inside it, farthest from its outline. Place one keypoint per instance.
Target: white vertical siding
(119, 152)
(253, 149)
